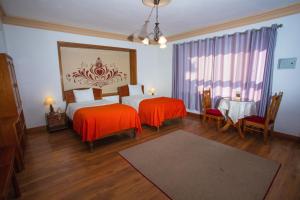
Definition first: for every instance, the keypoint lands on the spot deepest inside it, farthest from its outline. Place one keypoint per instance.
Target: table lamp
(49, 101)
(152, 91)
(238, 95)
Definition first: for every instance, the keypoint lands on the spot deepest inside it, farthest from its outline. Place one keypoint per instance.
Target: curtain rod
(277, 26)
(256, 29)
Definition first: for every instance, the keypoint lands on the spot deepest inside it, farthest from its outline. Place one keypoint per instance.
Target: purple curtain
(238, 63)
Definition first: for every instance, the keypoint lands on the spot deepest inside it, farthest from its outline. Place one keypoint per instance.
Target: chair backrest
(273, 108)
(206, 99)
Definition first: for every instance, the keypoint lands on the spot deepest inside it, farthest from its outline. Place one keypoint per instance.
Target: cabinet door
(14, 85)
(20, 130)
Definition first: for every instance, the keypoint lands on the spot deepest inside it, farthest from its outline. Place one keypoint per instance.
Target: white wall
(37, 68)
(287, 80)
(2, 39)
(36, 61)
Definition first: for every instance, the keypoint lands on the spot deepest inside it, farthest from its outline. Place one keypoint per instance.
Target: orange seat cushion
(214, 112)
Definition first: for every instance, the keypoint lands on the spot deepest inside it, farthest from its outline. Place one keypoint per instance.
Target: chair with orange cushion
(208, 111)
(264, 124)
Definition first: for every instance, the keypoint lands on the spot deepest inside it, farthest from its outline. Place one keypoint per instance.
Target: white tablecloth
(237, 109)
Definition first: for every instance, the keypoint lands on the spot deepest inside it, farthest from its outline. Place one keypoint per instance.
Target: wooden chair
(208, 111)
(264, 124)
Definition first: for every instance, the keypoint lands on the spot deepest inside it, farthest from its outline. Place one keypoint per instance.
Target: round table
(234, 111)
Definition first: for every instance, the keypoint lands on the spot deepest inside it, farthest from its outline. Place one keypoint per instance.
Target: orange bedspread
(96, 122)
(155, 111)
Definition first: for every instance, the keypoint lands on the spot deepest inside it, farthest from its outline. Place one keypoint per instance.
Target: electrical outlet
(287, 63)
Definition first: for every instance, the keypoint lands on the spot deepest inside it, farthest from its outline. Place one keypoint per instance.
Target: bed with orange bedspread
(153, 110)
(97, 122)
(100, 118)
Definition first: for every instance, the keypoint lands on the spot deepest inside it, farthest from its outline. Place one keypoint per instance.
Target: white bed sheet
(73, 107)
(134, 101)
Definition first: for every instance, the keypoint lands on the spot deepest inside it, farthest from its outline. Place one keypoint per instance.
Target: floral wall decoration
(98, 74)
(86, 66)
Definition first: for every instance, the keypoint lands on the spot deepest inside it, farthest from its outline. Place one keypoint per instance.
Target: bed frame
(123, 91)
(70, 98)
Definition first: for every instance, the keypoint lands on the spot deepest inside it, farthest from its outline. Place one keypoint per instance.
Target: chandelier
(156, 35)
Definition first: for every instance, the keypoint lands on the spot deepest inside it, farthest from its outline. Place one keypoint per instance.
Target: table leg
(227, 125)
(239, 127)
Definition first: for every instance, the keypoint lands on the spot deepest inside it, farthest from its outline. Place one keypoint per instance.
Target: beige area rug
(186, 167)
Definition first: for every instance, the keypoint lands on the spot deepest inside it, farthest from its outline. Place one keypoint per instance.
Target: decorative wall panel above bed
(93, 66)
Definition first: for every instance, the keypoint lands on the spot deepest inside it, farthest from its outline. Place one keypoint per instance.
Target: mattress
(134, 101)
(73, 107)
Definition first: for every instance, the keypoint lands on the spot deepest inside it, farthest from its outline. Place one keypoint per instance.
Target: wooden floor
(60, 166)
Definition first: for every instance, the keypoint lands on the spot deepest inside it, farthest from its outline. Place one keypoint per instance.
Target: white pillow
(135, 90)
(84, 95)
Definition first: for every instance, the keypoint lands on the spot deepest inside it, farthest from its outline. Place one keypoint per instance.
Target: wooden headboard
(123, 91)
(70, 98)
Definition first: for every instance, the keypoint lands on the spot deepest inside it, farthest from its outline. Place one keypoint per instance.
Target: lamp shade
(162, 40)
(146, 41)
(162, 46)
(49, 101)
(152, 90)
(144, 31)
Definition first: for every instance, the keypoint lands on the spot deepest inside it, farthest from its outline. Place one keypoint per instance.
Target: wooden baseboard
(36, 129)
(286, 136)
(197, 115)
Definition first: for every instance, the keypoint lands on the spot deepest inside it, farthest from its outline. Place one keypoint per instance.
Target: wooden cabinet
(10, 100)
(12, 122)
(56, 121)
(7, 172)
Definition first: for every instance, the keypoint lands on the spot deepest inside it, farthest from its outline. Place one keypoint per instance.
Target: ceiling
(126, 16)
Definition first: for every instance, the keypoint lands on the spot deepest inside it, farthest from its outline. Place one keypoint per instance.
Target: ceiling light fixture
(156, 35)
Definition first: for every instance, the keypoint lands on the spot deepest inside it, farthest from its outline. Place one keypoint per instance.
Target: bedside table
(56, 121)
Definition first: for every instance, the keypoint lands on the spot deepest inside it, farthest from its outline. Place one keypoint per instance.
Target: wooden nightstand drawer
(56, 121)
(52, 123)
